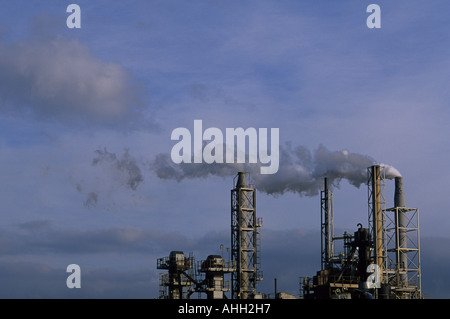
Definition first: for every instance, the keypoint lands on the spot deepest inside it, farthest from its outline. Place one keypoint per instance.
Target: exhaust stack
(245, 239)
(399, 204)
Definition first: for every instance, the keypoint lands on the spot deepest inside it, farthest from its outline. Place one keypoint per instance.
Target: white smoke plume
(390, 171)
(301, 171)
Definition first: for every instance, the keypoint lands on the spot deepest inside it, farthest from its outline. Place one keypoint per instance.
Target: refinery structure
(381, 261)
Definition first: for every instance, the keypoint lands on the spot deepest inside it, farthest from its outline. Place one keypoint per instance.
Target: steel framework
(245, 239)
(179, 279)
(403, 269)
(395, 239)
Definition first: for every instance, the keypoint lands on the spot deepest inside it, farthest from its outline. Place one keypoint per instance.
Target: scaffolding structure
(403, 269)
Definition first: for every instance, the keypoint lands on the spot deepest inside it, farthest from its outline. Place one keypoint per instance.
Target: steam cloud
(300, 170)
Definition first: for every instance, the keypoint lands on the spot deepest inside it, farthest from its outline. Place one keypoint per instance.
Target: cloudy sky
(86, 117)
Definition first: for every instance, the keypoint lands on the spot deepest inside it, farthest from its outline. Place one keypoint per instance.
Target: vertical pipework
(326, 225)
(399, 203)
(377, 217)
(399, 195)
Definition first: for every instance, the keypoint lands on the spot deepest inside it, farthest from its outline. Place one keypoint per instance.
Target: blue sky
(85, 112)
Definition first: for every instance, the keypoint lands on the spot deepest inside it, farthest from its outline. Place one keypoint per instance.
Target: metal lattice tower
(245, 240)
(403, 246)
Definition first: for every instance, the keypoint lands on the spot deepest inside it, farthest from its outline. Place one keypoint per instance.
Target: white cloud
(55, 78)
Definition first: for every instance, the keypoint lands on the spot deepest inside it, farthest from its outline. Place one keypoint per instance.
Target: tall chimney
(401, 224)
(244, 239)
(326, 221)
(377, 218)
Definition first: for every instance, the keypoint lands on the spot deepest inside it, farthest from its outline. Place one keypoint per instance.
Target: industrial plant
(381, 261)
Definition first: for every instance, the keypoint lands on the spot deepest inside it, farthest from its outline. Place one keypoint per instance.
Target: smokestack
(244, 239)
(326, 217)
(401, 224)
(241, 181)
(376, 215)
(399, 195)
